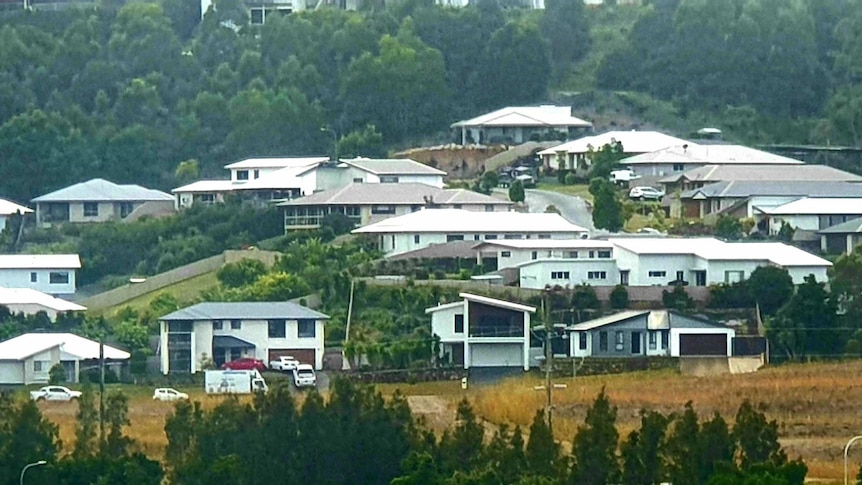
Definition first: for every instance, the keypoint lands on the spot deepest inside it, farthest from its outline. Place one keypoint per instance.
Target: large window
(218, 325)
(306, 328)
(276, 329)
(242, 174)
(179, 346)
(388, 179)
(733, 276)
(126, 208)
(383, 209)
(454, 237)
(597, 275)
(58, 277)
(91, 209)
(459, 323)
(653, 340)
(559, 275)
(604, 254)
(603, 341)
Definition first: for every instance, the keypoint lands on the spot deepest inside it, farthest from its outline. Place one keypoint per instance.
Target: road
(573, 208)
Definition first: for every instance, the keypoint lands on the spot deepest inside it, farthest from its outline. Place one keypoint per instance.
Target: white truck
(623, 176)
(234, 382)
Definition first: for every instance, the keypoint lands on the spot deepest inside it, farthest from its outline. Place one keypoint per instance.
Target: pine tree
(643, 463)
(461, 449)
(683, 448)
(88, 420)
(594, 446)
(542, 451)
(757, 438)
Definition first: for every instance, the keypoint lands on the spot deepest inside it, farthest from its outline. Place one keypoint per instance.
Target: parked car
(284, 363)
(169, 394)
(646, 193)
(620, 176)
(54, 393)
(245, 363)
(303, 376)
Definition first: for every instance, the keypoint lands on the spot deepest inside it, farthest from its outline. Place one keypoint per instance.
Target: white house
(436, 226)
(576, 153)
(223, 332)
(685, 157)
(99, 200)
(28, 358)
(378, 171)
(29, 302)
(811, 213)
(53, 274)
(483, 332)
(369, 203)
(639, 333)
(8, 209)
(519, 124)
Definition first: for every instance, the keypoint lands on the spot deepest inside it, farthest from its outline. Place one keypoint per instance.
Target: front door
(624, 277)
(700, 278)
(636, 343)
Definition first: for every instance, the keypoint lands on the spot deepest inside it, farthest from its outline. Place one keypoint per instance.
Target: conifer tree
(594, 446)
(642, 453)
(542, 452)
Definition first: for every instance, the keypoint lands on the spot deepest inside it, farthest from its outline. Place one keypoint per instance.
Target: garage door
(497, 355)
(702, 344)
(305, 356)
(11, 372)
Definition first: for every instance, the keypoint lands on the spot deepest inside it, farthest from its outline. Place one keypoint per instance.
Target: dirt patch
(458, 161)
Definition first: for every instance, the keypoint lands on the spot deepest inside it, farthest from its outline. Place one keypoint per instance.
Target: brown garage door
(702, 344)
(306, 356)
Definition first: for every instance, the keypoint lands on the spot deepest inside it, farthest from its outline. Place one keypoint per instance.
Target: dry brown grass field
(817, 406)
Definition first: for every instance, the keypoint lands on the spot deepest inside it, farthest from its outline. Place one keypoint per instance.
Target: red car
(245, 363)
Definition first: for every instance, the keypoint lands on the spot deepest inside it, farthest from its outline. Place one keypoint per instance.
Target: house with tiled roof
(519, 124)
(98, 200)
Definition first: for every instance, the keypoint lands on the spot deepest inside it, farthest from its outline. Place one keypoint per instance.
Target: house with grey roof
(369, 203)
(28, 358)
(519, 124)
(224, 331)
(681, 158)
(378, 171)
(99, 200)
(841, 238)
(714, 173)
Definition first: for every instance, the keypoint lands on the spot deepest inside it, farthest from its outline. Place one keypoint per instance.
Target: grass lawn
(186, 290)
(579, 190)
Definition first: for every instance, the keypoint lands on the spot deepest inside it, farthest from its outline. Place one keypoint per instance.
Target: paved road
(571, 207)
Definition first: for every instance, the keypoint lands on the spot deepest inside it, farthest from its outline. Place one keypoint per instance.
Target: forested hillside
(129, 92)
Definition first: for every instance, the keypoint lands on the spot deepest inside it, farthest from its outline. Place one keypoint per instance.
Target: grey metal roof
(249, 310)
(393, 166)
(853, 226)
(453, 249)
(792, 173)
(229, 341)
(101, 190)
(748, 188)
(394, 194)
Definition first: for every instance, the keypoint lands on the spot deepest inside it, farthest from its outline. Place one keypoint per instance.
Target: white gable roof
(709, 155)
(547, 244)
(206, 186)
(29, 296)
(7, 208)
(463, 221)
(818, 206)
(252, 163)
(40, 261)
(527, 116)
(23, 346)
(633, 142)
(497, 303)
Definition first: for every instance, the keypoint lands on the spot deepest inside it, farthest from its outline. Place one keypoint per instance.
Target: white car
(284, 363)
(54, 393)
(169, 394)
(646, 193)
(303, 376)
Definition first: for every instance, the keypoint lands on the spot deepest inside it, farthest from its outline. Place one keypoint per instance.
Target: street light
(847, 450)
(27, 467)
(326, 129)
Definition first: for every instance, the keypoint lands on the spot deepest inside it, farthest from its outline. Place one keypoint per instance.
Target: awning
(230, 342)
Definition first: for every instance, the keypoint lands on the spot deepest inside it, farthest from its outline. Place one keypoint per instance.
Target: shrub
(570, 179)
(620, 298)
(57, 374)
(243, 272)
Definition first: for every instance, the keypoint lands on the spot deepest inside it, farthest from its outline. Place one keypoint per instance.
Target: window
(236, 324)
(459, 323)
(457, 206)
(653, 340)
(218, 325)
(276, 329)
(513, 236)
(242, 174)
(383, 209)
(678, 167)
(257, 174)
(416, 239)
(592, 254)
(475, 237)
(91, 209)
(605, 254)
(34, 278)
(505, 254)
(582, 340)
(665, 334)
(657, 274)
(534, 255)
(573, 254)
(733, 276)
(357, 180)
(490, 237)
(454, 237)
(597, 275)
(58, 277)
(207, 198)
(388, 179)
(620, 341)
(41, 365)
(489, 208)
(306, 328)
(559, 275)
(126, 208)
(603, 341)
(544, 236)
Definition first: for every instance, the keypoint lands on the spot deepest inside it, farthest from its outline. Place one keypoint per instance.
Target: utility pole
(101, 391)
(549, 361)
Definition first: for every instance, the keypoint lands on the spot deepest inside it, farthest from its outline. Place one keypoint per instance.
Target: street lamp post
(27, 467)
(846, 451)
(327, 129)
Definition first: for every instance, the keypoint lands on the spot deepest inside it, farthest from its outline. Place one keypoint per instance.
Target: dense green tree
(241, 273)
(542, 452)
(770, 287)
(367, 142)
(607, 209)
(594, 446)
(806, 325)
(728, 228)
(515, 40)
(516, 192)
(564, 25)
(641, 453)
(462, 448)
(619, 298)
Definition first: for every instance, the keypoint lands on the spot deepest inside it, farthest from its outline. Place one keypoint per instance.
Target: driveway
(573, 208)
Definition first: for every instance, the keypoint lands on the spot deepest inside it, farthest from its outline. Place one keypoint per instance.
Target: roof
(206, 186)
(608, 319)
(231, 341)
(714, 249)
(853, 226)
(29, 296)
(546, 243)
(656, 320)
(527, 116)
(7, 208)
(393, 166)
(252, 163)
(452, 249)
(24, 346)
(40, 261)
(99, 190)
(633, 142)
(394, 194)
(497, 303)
(444, 306)
(257, 310)
(748, 188)
(709, 155)
(721, 173)
(818, 206)
(463, 221)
